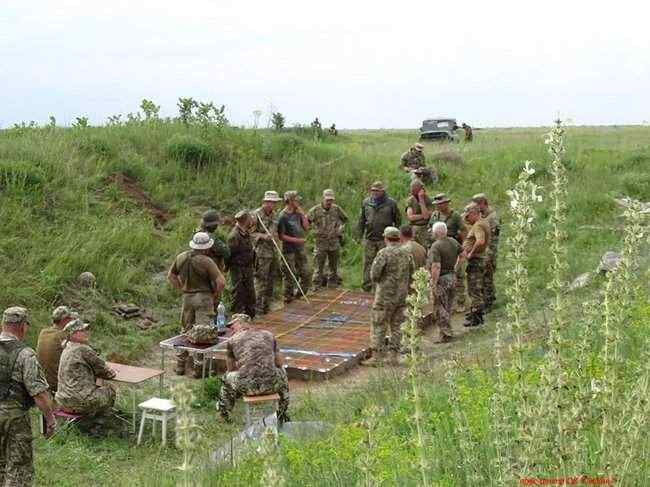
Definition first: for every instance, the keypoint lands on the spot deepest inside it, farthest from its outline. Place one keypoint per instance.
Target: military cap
(391, 232)
(271, 196)
(74, 326)
(61, 312)
(328, 194)
(377, 186)
(201, 241)
(210, 218)
(291, 195)
(472, 207)
(15, 315)
(239, 317)
(440, 198)
(479, 197)
(241, 214)
(418, 147)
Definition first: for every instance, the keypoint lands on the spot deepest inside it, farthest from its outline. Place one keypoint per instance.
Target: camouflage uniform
(266, 259)
(219, 253)
(444, 252)
(391, 272)
(294, 254)
(375, 216)
(421, 231)
(254, 352)
(476, 265)
(78, 373)
(491, 217)
(241, 267)
(455, 229)
(414, 160)
(327, 234)
(21, 378)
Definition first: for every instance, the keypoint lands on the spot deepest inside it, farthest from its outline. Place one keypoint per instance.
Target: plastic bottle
(220, 319)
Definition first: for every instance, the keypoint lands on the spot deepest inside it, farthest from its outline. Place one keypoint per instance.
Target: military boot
(180, 366)
(197, 370)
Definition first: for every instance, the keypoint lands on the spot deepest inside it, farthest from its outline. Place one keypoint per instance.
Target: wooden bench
(263, 403)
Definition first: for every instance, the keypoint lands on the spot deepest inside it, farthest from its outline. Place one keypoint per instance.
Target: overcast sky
(361, 64)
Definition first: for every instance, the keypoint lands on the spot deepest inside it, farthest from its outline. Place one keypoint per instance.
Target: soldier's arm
(377, 268)
(216, 278)
(279, 359)
(397, 217)
(99, 366)
(361, 225)
(172, 276)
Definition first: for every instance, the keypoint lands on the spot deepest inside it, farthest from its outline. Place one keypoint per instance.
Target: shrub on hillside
(19, 174)
(281, 146)
(190, 151)
(95, 146)
(448, 156)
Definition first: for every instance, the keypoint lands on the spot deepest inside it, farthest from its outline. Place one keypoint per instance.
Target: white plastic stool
(156, 409)
(263, 403)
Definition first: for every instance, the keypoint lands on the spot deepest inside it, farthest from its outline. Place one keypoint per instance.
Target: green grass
(59, 216)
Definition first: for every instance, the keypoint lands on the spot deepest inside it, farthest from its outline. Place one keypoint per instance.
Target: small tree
(81, 123)
(256, 118)
(277, 119)
(52, 122)
(150, 109)
(186, 108)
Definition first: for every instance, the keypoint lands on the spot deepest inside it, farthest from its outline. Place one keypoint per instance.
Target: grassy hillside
(122, 201)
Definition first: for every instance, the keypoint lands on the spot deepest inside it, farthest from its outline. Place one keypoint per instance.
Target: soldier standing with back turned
(219, 251)
(240, 265)
(490, 215)
(327, 220)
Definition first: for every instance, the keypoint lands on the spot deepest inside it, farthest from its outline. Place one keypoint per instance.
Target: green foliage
(20, 175)
(282, 146)
(80, 123)
(92, 145)
(191, 151)
(277, 120)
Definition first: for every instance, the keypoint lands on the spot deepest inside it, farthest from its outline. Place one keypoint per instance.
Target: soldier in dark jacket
(241, 265)
(219, 251)
(377, 212)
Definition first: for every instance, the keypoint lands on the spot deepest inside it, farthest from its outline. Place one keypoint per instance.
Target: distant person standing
(293, 225)
(241, 265)
(328, 220)
(333, 130)
(469, 135)
(378, 211)
(413, 162)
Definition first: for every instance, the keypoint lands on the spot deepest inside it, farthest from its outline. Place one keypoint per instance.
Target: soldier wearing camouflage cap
(378, 211)
(490, 215)
(22, 385)
(50, 344)
(255, 366)
(328, 220)
(264, 232)
(413, 162)
(241, 264)
(391, 273)
(219, 251)
(474, 251)
(293, 225)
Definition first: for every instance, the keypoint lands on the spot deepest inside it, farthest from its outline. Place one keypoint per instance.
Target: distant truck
(443, 129)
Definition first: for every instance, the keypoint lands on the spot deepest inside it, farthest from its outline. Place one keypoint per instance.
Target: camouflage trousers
(422, 235)
(197, 308)
(387, 321)
(243, 290)
(443, 296)
(235, 386)
(475, 283)
(16, 457)
(490, 268)
(331, 255)
(266, 270)
(299, 264)
(98, 403)
(460, 291)
(370, 250)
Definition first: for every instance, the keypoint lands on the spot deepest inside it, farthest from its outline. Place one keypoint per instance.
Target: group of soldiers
(64, 367)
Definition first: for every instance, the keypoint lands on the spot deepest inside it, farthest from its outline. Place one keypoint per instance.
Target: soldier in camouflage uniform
(442, 260)
(419, 208)
(474, 251)
(417, 251)
(255, 367)
(413, 162)
(377, 212)
(328, 220)
(241, 265)
(490, 215)
(195, 274)
(79, 370)
(455, 229)
(391, 272)
(292, 228)
(22, 385)
(219, 251)
(264, 231)
(50, 346)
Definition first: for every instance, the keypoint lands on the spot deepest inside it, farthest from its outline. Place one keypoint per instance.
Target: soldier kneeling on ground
(255, 367)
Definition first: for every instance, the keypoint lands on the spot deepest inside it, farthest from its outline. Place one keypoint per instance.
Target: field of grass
(62, 212)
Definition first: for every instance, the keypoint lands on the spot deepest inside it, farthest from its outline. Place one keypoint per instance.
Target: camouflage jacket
(241, 248)
(375, 217)
(413, 159)
(79, 370)
(490, 215)
(327, 224)
(219, 252)
(264, 248)
(455, 226)
(391, 272)
(254, 353)
(19, 364)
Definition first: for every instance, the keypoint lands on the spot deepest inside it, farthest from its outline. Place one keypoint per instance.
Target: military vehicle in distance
(443, 129)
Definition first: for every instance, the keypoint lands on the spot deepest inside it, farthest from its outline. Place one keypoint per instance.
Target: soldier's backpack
(10, 390)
